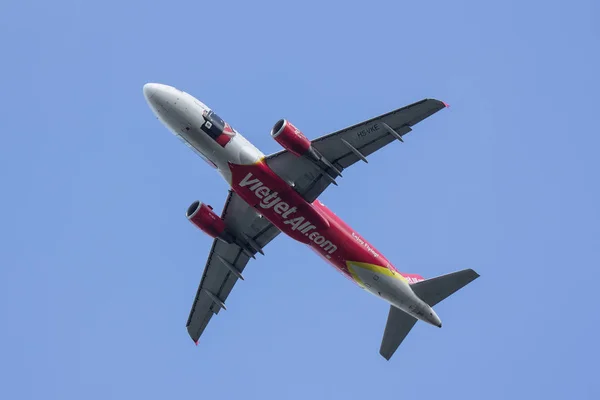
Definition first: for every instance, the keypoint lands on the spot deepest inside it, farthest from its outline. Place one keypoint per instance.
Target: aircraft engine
(290, 138)
(294, 141)
(205, 218)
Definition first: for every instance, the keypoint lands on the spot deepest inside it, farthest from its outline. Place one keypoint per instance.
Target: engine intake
(290, 138)
(205, 218)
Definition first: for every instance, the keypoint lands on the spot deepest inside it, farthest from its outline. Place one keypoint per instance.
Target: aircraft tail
(397, 327)
(434, 290)
(431, 291)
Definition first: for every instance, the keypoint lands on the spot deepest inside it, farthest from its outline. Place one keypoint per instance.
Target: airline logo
(298, 133)
(270, 199)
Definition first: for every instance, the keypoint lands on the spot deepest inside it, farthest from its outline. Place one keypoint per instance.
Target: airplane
(279, 193)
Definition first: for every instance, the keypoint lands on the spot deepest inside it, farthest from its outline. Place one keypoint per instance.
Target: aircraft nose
(158, 97)
(150, 89)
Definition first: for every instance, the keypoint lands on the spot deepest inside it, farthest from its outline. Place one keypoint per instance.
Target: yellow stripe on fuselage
(378, 269)
(354, 276)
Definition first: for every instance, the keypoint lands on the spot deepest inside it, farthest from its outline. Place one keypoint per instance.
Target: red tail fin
(412, 278)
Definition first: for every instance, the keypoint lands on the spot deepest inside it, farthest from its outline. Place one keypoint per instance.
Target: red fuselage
(312, 224)
(243, 166)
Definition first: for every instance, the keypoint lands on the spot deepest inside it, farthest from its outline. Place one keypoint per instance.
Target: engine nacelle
(290, 138)
(205, 218)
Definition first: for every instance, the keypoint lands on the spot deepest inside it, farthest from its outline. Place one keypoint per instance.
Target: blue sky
(98, 265)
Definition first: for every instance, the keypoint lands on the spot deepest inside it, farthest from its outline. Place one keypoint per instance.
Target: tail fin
(434, 290)
(431, 291)
(412, 278)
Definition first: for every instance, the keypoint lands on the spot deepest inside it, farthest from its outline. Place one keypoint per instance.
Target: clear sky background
(99, 267)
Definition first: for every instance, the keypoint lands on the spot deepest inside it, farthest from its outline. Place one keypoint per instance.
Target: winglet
(195, 341)
(446, 104)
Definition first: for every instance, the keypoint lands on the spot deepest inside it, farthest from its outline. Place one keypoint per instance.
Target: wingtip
(196, 342)
(446, 104)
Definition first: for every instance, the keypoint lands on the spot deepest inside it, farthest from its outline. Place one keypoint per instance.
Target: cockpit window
(213, 125)
(215, 119)
(216, 128)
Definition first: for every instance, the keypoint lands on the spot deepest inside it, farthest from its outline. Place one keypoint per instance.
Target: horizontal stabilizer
(431, 291)
(434, 290)
(398, 325)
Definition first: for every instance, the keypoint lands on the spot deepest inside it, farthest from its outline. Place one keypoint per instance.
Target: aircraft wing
(347, 146)
(218, 278)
